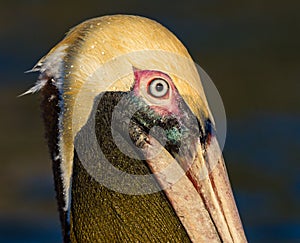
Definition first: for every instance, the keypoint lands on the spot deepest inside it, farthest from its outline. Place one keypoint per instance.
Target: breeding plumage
(135, 157)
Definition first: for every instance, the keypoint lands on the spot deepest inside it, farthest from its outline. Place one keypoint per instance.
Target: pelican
(132, 139)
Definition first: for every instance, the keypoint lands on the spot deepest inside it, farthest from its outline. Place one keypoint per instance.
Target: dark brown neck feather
(50, 113)
(99, 214)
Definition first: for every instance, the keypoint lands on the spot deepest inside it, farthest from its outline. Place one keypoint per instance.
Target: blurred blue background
(250, 50)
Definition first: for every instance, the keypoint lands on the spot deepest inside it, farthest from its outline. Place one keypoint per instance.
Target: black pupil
(159, 87)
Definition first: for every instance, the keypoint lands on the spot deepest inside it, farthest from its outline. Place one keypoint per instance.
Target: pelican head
(132, 139)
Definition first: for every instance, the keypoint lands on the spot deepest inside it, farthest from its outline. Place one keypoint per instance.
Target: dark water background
(250, 49)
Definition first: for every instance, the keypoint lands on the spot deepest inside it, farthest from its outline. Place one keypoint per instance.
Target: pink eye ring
(158, 88)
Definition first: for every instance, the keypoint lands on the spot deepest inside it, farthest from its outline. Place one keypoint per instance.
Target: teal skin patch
(174, 135)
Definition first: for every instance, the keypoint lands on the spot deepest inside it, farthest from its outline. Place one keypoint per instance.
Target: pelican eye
(158, 88)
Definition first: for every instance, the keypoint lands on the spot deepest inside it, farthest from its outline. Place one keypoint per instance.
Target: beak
(201, 197)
